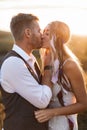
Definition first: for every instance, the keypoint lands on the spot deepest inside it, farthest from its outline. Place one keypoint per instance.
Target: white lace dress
(61, 122)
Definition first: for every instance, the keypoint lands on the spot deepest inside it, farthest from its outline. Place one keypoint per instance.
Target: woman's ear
(28, 32)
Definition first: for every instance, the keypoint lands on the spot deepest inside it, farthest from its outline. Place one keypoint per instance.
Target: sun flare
(75, 15)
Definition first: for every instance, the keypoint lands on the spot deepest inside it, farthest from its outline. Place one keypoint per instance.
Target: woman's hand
(44, 115)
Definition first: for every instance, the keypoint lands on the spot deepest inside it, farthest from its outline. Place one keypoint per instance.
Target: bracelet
(48, 67)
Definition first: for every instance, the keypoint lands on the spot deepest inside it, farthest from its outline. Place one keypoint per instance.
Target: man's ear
(28, 32)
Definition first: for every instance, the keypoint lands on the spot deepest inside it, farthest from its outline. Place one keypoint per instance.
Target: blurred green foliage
(6, 42)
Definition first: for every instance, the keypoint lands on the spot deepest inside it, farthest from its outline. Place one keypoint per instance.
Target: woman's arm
(74, 74)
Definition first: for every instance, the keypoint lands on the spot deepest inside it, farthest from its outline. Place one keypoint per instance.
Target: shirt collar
(22, 53)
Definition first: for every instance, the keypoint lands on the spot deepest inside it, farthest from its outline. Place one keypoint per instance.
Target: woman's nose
(42, 36)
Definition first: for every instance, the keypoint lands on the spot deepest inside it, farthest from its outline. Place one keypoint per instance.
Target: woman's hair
(59, 35)
(73, 56)
(60, 30)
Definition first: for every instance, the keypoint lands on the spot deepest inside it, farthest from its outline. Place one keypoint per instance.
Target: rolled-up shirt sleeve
(15, 77)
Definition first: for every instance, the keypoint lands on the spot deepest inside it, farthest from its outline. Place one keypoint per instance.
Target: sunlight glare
(75, 15)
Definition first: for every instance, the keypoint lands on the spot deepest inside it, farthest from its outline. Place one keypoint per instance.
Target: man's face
(36, 36)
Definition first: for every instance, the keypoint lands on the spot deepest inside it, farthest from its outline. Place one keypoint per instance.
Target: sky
(72, 12)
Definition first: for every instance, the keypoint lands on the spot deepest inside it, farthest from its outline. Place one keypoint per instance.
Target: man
(22, 93)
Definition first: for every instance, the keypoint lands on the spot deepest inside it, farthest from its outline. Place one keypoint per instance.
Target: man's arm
(15, 77)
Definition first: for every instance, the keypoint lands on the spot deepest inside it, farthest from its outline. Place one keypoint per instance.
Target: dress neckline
(68, 59)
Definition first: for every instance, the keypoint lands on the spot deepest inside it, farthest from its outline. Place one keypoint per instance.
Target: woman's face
(47, 41)
(46, 37)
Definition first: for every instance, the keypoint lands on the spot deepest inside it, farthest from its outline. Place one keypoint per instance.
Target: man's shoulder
(10, 60)
(11, 55)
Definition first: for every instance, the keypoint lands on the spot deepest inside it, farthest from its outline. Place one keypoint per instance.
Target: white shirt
(15, 77)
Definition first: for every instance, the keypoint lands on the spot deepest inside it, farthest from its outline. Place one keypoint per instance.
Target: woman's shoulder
(70, 66)
(69, 63)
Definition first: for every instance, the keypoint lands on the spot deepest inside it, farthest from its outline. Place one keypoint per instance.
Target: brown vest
(19, 112)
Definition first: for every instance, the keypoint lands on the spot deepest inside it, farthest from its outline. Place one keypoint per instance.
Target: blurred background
(73, 12)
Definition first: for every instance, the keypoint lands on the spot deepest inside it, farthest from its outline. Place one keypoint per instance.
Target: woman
(69, 92)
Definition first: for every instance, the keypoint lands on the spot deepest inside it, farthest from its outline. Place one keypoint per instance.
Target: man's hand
(43, 115)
